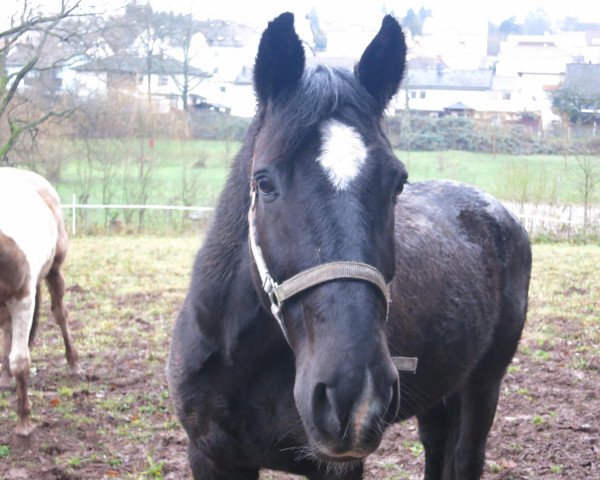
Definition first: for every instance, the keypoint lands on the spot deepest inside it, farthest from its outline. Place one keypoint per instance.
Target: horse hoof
(5, 382)
(24, 429)
(75, 372)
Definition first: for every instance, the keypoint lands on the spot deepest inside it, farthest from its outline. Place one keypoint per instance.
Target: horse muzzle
(345, 427)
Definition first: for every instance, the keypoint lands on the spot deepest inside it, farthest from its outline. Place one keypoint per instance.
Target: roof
(449, 79)
(245, 76)
(159, 65)
(458, 106)
(55, 52)
(584, 77)
(504, 83)
(425, 63)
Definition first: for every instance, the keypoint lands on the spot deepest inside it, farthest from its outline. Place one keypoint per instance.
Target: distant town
(506, 73)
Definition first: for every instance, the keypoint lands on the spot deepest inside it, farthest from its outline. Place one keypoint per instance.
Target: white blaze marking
(363, 408)
(343, 153)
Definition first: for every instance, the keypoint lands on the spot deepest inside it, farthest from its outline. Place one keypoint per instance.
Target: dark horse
(303, 380)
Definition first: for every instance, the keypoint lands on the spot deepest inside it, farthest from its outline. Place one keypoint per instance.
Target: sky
(258, 12)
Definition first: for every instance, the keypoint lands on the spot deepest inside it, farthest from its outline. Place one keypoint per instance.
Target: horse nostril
(394, 405)
(324, 412)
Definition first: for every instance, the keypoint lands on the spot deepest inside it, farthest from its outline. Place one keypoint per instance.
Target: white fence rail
(83, 206)
(561, 221)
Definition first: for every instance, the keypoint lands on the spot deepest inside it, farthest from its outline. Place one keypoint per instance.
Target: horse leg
(203, 469)
(435, 431)
(5, 378)
(479, 400)
(21, 313)
(56, 286)
(466, 455)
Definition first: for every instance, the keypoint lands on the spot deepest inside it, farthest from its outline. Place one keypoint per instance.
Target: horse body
(316, 399)
(33, 246)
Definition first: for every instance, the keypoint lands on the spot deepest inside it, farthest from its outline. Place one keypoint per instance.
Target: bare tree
(588, 167)
(183, 38)
(29, 36)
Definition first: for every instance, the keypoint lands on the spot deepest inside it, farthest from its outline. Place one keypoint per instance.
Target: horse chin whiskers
(324, 461)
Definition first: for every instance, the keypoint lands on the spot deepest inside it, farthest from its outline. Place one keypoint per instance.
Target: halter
(279, 293)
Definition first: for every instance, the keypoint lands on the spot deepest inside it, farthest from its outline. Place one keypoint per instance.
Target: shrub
(463, 133)
(217, 126)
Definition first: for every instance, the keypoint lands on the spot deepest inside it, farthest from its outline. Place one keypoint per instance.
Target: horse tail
(36, 315)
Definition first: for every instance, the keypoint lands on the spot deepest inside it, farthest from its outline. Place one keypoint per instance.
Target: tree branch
(17, 130)
(28, 24)
(6, 99)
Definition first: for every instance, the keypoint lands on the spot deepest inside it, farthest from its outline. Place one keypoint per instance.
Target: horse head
(324, 181)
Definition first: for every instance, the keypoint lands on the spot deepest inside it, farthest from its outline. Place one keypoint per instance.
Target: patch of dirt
(546, 426)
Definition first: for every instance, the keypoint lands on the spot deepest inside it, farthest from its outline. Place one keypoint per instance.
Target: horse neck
(223, 295)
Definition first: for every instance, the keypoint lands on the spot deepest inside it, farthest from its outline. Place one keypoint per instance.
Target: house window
(163, 80)
(422, 94)
(505, 95)
(413, 94)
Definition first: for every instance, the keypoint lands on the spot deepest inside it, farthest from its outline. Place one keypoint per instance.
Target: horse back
(459, 296)
(33, 224)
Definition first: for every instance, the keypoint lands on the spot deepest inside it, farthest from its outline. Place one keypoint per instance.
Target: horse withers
(33, 245)
(323, 267)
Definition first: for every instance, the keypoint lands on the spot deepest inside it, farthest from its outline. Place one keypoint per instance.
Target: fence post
(73, 214)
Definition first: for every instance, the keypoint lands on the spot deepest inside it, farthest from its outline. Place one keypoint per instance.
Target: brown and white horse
(33, 246)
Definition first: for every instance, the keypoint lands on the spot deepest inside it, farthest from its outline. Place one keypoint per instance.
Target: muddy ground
(117, 422)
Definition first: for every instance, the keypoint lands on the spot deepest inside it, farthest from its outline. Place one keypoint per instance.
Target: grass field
(123, 295)
(536, 178)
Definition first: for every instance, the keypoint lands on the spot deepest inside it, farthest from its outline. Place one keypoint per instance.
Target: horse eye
(265, 185)
(398, 190)
(400, 186)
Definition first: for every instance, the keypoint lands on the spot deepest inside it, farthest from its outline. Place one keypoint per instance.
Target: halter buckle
(270, 288)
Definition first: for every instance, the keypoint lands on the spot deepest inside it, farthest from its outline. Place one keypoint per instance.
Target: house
(537, 63)
(441, 91)
(232, 48)
(461, 44)
(231, 90)
(159, 75)
(52, 73)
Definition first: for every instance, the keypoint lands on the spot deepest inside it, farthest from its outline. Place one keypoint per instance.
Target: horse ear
(381, 66)
(280, 58)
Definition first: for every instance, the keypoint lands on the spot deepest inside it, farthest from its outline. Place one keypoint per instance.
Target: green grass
(4, 451)
(534, 178)
(167, 161)
(193, 173)
(520, 178)
(565, 294)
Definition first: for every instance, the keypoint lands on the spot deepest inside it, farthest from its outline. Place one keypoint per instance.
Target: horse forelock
(324, 93)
